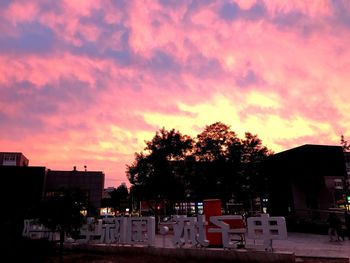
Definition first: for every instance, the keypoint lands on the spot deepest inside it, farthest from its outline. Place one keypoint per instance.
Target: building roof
(309, 159)
(13, 158)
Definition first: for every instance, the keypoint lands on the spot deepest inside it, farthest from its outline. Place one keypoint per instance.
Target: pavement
(301, 244)
(311, 245)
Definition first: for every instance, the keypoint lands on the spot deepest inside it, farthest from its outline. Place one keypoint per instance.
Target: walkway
(301, 244)
(312, 245)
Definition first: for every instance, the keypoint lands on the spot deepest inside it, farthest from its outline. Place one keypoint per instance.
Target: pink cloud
(110, 67)
(21, 11)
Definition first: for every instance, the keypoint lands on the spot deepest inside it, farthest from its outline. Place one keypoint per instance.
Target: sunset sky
(87, 82)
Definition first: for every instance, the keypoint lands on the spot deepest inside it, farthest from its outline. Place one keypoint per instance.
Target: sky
(87, 82)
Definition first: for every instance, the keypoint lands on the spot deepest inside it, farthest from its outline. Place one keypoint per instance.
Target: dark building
(13, 159)
(21, 190)
(303, 182)
(22, 186)
(90, 182)
(347, 162)
(28, 185)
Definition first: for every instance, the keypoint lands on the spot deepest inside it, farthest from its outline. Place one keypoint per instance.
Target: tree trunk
(61, 245)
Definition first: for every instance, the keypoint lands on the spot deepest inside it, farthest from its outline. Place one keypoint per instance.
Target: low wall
(323, 259)
(189, 254)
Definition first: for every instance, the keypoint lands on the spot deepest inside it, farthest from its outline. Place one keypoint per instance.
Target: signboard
(190, 231)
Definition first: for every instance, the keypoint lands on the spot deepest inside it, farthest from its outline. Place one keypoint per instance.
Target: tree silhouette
(250, 182)
(344, 144)
(62, 212)
(153, 173)
(214, 142)
(120, 197)
(216, 164)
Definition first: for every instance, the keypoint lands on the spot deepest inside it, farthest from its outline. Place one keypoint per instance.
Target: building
(13, 159)
(25, 184)
(21, 191)
(22, 186)
(107, 192)
(347, 162)
(303, 183)
(90, 182)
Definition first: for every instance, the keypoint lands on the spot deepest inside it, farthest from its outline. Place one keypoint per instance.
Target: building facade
(32, 184)
(21, 191)
(89, 182)
(303, 182)
(13, 159)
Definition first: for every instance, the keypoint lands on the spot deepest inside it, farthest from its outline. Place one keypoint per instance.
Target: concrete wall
(190, 255)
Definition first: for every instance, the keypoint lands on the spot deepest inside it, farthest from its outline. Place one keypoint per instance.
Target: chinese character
(267, 228)
(189, 230)
(231, 237)
(140, 230)
(114, 230)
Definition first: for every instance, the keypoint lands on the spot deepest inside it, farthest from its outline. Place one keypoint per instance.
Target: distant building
(23, 186)
(108, 191)
(303, 182)
(13, 159)
(347, 162)
(90, 182)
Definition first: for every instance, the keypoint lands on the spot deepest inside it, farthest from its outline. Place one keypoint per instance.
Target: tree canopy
(214, 142)
(62, 212)
(344, 144)
(214, 164)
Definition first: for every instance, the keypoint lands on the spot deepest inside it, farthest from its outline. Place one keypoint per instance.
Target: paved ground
(308, 248)
(301, 244)
(312, 245)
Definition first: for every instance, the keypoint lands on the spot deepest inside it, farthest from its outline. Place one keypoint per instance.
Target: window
(9, 157)
(338, 184)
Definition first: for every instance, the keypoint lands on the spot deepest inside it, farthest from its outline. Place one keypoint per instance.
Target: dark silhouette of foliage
(152, 172)
(61, 212)
(120, 198)
(344, 144)
(250, 182)
(216, 164)
(214, 142)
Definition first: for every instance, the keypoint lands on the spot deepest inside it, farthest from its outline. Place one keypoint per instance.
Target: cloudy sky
(87, 82)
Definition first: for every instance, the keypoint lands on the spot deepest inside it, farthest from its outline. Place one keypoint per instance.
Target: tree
(250, 182)
(153, 173)
(120, 197)
(214, 142)
(217, 164)
(214, 174)
(170, 145)
(61, 212)
(231, 164)
(344, 144)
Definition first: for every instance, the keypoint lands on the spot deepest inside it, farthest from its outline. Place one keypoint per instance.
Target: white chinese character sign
(267, 228)
(232, 237)
(188, 231)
